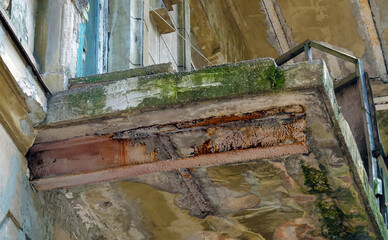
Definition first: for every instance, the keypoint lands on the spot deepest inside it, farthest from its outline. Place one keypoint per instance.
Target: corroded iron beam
(218, 140)
(162, 166)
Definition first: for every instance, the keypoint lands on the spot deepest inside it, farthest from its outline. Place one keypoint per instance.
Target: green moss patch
(315, 179)
(336, 224)
(334, 220)
(90, 102)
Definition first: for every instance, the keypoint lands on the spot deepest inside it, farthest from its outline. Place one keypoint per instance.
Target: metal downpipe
(136, 34)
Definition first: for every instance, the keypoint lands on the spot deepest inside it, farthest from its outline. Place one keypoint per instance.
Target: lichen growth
(315, 179)
(336, 226)
(90, 102)
(276, 77)
(215, 82)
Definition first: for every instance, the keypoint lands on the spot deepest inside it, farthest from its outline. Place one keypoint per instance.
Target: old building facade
(119, 121)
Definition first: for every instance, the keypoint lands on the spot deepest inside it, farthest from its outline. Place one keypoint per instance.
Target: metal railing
(369, 113)
(306, 48)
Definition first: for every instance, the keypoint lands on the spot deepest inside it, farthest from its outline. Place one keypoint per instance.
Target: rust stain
(91, 153)
(163, 166)
(253, 136)
(265, 129)
(205, 148)
(291, 110)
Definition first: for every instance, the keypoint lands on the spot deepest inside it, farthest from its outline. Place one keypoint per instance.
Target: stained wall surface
(290, 194)
(249, 29)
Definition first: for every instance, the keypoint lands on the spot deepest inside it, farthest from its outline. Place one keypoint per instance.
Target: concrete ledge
(136, 102)
(261, 75)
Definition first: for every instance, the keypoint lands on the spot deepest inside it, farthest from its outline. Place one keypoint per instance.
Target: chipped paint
(84, 214)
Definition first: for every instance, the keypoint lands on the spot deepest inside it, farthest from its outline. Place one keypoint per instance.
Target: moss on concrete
(80, 102)
(336, 225)
(337, 208)
(161, 90)
(334, 220)
(382, 118)
(215, 82)
(315, 179)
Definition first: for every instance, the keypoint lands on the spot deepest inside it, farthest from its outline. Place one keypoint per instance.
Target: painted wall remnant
(81, 49)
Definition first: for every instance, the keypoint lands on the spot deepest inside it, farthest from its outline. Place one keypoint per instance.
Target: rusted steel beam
(126, 172)
(86, 154)
(272, 132)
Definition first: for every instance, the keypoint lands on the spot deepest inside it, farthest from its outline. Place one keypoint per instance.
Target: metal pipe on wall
(136, 34)
(181, 43)
(184, 49)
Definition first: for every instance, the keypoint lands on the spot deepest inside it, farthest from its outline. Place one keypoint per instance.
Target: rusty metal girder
(201, 142)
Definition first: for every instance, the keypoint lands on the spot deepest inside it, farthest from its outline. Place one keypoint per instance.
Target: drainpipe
(184, 49)
(181, 43)
(136, 34)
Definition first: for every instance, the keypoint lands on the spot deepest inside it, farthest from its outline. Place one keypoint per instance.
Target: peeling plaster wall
(24, 213)
(57, 41)
(17, 196)
(41, 215)
(23, 13)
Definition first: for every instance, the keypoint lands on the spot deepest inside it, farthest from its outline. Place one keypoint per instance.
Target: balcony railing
(376, 168)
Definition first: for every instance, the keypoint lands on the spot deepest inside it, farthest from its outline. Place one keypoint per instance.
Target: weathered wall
(247, 29)
(18, 197)
(119, 28)
(380, 12)
(25, 213)
(163, 48)
(24, 102)
(23, 106)
(23, 15)
(123, 46)
(57, 41)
